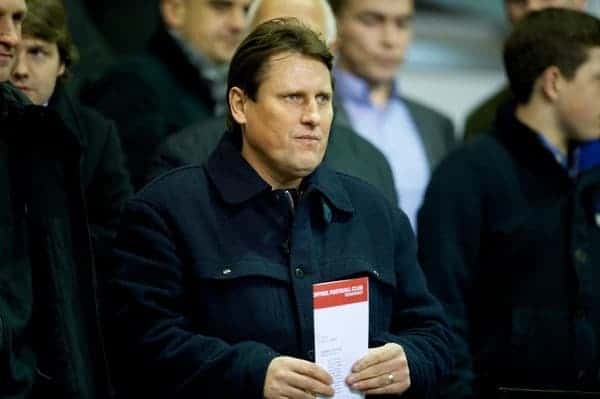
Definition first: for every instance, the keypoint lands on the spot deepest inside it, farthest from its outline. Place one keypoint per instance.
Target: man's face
(36, 69)
(214, 27)
(578, 104)
(517, 9)
(12, 13)
(373, 36)
(310, 12)
(285, 130)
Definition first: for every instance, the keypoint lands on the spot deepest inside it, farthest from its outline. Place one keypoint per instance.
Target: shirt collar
(351, 87)
(237, 182)
(569, 162)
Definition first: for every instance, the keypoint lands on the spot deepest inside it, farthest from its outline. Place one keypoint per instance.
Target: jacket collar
(237, 182)
(64, 105)
(164, 47)
(525, 145)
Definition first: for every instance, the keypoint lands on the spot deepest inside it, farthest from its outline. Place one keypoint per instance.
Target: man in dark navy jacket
(216, 263)
(508, 235)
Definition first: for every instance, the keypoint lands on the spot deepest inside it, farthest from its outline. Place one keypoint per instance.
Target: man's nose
(311, 114)
(20, 70)
(9, 32)
(237, 20)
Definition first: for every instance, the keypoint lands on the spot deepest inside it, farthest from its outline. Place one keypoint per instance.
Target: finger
(311, 370)
(377, 355)
(295, 393)
(385, 368)
(381, 381)
(392, 389)
(308, 384)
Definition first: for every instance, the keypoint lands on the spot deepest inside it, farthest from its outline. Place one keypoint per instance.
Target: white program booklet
(341, 314)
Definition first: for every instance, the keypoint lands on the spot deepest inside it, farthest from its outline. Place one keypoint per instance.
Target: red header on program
(342, 292)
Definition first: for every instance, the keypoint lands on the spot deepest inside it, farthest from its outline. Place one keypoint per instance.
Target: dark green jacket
(50, 340)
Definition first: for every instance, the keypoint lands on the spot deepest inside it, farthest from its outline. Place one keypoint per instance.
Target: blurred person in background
(44, 58)
(179, 80)
(347, 151)
(51, 344)
(481, 119)
(509, 232)
(373, 37)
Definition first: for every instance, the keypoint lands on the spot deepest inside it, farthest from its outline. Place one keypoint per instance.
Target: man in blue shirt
(373, 36)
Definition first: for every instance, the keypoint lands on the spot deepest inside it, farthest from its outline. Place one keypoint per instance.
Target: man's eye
(369, 19)
(323, 99)
(293, 97)
(220, 5)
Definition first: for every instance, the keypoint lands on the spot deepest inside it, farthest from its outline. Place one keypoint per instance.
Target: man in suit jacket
(347, 151)
(179, 80)
(373, 36)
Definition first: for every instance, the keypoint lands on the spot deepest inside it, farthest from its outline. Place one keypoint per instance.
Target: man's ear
(173, 12)
(551, 82)
(61, 70)
(237, 104)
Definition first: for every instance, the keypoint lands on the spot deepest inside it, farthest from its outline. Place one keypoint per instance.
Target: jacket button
(226, 271)
(299, 272)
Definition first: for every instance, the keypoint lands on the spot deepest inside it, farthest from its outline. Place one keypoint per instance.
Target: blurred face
(373, 36)
(36, 69)
(285, 130)
(310, 12)
(578, 103)
(517, 9)
(12, 13)
(213, 27)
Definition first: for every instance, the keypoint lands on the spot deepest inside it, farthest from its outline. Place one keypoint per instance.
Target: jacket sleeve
(159, 338)
(418, 323)
(108, 190)
(449, 234)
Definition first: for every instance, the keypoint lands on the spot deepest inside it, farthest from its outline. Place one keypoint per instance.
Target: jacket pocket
(243, 300)
(382, 285)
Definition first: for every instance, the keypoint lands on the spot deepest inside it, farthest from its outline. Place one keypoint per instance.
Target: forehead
(390, 8)
(30, 41)
(309, 12)
(200, 7)
(294, 70)
(12, 6)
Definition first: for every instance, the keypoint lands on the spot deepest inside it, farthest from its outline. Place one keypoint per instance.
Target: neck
(379, 92)
(541, 119)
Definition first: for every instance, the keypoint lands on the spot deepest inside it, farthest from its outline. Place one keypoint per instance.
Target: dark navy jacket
(215, 277)
(510, 244)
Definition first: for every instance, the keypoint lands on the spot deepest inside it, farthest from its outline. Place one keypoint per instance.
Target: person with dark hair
(216, 263)
(177, 81)
(50, 341)
(347, 151)
(509, 234)
(44, 57)
(373, 38)
(480, 120)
